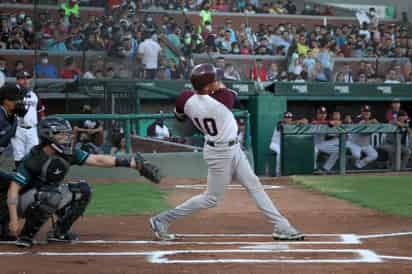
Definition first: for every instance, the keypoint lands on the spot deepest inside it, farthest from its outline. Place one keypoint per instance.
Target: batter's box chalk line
(229, 187)
(239, 255)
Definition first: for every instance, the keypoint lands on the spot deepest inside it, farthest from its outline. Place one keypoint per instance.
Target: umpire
(11, 106)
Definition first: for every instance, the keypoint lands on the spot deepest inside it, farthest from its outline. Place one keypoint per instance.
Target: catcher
(37, 191)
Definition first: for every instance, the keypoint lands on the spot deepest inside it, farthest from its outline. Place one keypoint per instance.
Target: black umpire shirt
(7, 128)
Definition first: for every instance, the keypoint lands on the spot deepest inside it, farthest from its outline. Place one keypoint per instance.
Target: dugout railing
(297, 144)
(137, 122)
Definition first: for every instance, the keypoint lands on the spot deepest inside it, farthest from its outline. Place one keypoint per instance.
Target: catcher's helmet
(202, 75)
(57, 133)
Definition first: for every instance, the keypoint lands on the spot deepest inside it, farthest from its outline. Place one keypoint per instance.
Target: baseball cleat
(67, 237)
(160, 230)
(292, 235)
(24, 242)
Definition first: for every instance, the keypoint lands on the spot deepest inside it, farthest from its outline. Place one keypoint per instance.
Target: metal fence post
(127, 135)
(398, 151)
(342, 153)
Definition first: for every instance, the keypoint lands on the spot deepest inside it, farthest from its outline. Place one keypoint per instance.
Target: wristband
(12, 201)
(122, 161)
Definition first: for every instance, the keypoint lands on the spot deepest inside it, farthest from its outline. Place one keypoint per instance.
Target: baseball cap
(287, 114)
(23, 74)
(10, 92)
(365, 108)
(396, 100)
(322, 109)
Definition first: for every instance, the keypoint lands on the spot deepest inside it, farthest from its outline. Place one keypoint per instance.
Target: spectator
(89, 133)
(3, 66)
(231, 73)
(44, 69)
(71, 7)
(228, 27)
(18, 67)
(392, 78)
(309, 61)
(361, 142)
(205, 15)
(273, 72)
(290, 7)
(362, 78)
(158, 129)
(149, 54)
(225, 46)
(119, 145)
(70, 70)
(302, 48)
(347, 74)
(402, 121)
(258, 72)
(393, 112)
(220, 6)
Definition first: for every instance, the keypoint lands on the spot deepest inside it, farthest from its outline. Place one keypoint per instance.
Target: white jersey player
(26, 134)
(209, 108)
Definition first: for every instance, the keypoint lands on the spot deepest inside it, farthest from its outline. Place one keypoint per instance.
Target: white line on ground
(372, 236)
(230, 187)
(395, 257)
(159, 257)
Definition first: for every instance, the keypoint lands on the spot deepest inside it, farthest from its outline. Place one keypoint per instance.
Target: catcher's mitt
(146, 169)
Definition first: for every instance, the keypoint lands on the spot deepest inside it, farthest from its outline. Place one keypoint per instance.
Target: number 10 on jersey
(207, 126)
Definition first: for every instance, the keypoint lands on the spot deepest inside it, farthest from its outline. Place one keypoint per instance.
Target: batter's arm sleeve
(179, 110)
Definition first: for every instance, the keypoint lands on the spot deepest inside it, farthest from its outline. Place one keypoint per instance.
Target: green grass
(389, 194)
(126, 199)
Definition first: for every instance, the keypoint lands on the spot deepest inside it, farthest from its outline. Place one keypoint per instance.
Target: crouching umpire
(37, 191)
(11, 106)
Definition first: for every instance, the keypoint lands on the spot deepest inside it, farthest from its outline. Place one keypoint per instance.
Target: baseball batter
(209, 108)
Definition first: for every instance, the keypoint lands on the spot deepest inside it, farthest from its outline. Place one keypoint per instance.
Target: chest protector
(54, 170)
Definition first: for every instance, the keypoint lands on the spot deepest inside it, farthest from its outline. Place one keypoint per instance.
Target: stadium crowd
(134, 38)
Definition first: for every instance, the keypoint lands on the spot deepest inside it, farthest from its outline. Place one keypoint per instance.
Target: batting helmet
(58, 133)
(202, 75)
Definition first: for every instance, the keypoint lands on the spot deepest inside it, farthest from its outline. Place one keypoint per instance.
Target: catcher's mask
(57, 133)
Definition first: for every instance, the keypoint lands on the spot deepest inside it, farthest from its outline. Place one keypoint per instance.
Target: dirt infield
(233, 238)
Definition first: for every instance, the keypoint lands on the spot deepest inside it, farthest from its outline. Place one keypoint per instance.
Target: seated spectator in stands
(318, 73)
(277, 8)
(258, 71)
(119, 145)
(230, 73)
(273, 72)
(228, 27)
(91, 73)
(399, 73)
(69, 70)
(362, 78)
(44, 69)
(298, 66)
(149, 53)
(287, 119)
(367, 69)
(290, 7)
(309, 61)
(263, 47)
(408, 79)
(402, 121)
(392, 78)
(225, 46)
(393, 111)
(363, 142)
(3, 66)
(55, 42)
(158, 129)
(18, 67)
(245, 48)
(89, 133)
(301, 46)
(250, 9)
(340, 78)
(71, 7)
(130, 47)
(347, 74)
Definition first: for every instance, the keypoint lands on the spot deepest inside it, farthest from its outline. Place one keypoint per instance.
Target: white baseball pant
(276, 148)
(23, 142)
(356, 151)
(224, 163)
(331, 148)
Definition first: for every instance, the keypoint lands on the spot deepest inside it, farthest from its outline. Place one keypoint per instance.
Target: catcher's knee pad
(209, 200)
(82, 193)
(39, 211)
